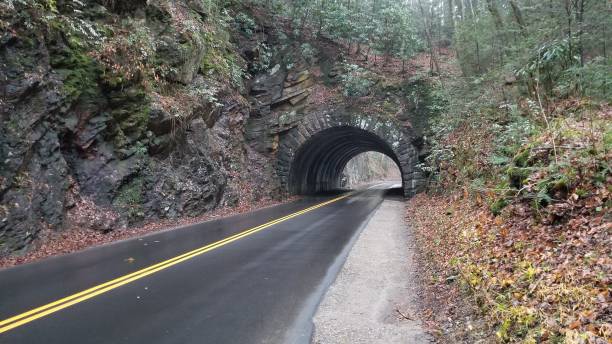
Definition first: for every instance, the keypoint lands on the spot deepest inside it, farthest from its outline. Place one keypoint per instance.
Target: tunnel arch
(319, 162)
(313, 154)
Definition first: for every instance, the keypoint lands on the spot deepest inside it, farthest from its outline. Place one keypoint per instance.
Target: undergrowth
(522, 183)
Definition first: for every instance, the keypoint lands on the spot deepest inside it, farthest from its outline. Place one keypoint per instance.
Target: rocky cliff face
(113, 112)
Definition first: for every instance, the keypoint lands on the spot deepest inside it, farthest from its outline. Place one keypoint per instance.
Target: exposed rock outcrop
(113, 112)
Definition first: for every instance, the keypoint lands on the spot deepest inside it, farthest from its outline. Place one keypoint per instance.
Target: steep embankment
(515, 230)
(117, 112)
(113, 112)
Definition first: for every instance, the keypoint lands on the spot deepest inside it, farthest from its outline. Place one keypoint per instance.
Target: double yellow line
(55, 306)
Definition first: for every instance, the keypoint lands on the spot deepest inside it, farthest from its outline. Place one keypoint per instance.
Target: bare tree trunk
(433, 61)
(348, 8)
(580, 22)
(492, 7)
(460, 15)
(478, 57)
(518, 16)
(499, 25)
(568, 12)
(474, 6)
(468, 9)
(449, 19)
(303, 23)
(604, 31)
(321, 10)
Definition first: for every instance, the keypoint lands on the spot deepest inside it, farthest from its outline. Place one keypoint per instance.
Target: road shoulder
(375, 294)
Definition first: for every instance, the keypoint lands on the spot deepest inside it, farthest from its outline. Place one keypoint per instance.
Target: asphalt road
(193, 284)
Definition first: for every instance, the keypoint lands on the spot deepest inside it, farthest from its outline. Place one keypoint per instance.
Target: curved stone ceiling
(312, 155)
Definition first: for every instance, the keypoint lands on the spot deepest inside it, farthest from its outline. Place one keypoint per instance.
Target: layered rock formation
(113, 112)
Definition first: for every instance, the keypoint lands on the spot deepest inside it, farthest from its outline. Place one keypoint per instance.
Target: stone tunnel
(312, 155)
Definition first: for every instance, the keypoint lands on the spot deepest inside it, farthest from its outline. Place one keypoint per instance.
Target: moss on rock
(68, 56)
(517, 176)
(130, 198)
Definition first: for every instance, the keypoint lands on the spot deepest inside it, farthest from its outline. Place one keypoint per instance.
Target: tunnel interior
(319, 162)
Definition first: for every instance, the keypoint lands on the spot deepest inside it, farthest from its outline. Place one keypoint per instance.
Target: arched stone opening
(319, 162)
(312, 154)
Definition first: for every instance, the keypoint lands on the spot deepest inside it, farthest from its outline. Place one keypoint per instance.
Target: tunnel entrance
(320, 161)
(313, 153)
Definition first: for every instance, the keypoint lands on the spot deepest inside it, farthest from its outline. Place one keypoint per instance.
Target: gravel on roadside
(375, 296)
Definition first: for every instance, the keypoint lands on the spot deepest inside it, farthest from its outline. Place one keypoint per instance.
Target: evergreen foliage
(557, 47)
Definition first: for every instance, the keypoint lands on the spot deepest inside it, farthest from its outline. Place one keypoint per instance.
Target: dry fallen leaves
(530, 279)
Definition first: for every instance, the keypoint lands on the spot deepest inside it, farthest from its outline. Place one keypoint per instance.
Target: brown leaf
(574, 324)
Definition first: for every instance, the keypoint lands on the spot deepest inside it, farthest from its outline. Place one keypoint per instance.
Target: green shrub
(594, 79)
(129, 197)
(308, 53)
(356, 81)
(245, 24)
(498, 205)
(264, 58)
(517, 176)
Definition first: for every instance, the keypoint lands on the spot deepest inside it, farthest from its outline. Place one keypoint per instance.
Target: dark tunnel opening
(320, 161)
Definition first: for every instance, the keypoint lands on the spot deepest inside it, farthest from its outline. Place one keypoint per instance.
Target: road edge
(393, 292)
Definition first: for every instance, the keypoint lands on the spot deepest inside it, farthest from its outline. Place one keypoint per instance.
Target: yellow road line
(68, 301)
